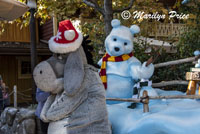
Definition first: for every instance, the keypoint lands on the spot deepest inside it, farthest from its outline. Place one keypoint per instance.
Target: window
(24, 67)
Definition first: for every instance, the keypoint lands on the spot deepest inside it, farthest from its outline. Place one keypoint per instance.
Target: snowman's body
(120, 79)
(122, 74)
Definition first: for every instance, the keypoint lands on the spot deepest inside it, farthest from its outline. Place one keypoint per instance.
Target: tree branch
(175, 62)
(126, 8)
(94, 5)
(156, 98)
(168, 83)
(124, 99)
(175, 97)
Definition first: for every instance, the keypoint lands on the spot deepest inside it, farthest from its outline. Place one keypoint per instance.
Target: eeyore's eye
(40, 71)
(125, 43)
(114, 39)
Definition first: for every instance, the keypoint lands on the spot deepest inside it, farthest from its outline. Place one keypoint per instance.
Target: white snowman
(119, 68)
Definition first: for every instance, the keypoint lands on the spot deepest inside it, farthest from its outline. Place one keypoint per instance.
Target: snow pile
(165, 117)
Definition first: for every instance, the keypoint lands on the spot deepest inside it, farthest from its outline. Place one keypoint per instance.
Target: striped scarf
(106, 58)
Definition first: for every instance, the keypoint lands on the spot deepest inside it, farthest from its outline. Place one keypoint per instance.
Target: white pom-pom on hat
(115, 23)
(69, 35)
(135, 29)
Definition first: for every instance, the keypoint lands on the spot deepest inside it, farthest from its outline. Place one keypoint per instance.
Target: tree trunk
(107, 11)
(108, 16)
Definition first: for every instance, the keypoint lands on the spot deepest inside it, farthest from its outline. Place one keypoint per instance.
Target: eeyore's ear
(73, 73)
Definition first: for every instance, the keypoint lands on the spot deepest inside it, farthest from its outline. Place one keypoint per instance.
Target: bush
(188, 43)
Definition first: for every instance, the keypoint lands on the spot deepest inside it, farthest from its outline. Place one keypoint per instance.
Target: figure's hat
(66, 40)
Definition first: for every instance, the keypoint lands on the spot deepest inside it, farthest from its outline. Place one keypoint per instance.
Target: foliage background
(92, 24)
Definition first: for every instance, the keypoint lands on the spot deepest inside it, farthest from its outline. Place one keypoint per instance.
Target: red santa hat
(66, 40)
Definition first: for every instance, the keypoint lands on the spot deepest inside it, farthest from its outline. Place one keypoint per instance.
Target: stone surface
(3, 116)
(29, 126)
(10, 116)
(38, 128)
(17, 121)
(6, 129)
(24, 114)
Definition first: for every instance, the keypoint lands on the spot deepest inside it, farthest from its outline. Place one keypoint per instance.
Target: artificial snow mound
(178, 116)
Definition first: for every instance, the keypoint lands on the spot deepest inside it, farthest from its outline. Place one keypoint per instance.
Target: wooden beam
(175, 97)
(21, 51)
(155, 98)
(168, 83)
(145, 101)
(124, 99)
(176, 62)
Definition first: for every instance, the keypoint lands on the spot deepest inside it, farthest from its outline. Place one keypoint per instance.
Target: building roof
(18, 48)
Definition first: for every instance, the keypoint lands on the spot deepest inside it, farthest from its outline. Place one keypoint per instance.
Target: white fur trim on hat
(65, 48)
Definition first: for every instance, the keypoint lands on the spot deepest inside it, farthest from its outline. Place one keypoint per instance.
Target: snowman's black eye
(125, 43)
(40, 71)
(114, 39)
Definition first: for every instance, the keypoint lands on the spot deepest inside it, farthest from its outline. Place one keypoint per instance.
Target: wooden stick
(175, 62)
(15, 96)
(145, 101)
(175, 97)
(153, 58)
(124, 99)
(156, 98)
(167, 83)
(149, 61)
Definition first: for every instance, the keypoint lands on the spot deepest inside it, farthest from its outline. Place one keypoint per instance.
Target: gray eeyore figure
(77, 103)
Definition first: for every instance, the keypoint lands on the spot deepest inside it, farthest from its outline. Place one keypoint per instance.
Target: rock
(3, 116)
(14, 121)
(10, 116)
(14, 126)
(38, 126)
(5, 129)
(20, 129)
(24, 114)
(26, 127)
(29, 126)
(27, 113)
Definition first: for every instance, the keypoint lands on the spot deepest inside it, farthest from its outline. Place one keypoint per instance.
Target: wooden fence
(145, 99)
(16, 94)
(15, 33)
(166, 29)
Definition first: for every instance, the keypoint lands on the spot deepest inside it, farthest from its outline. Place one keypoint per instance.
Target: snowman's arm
(147, 72)
(135, 70)
(139, 71)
